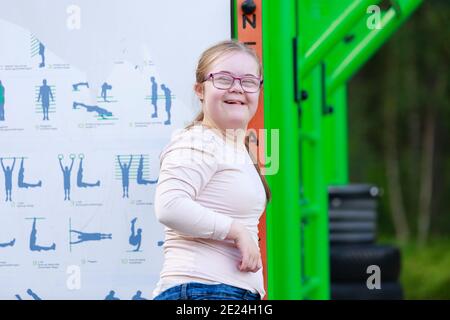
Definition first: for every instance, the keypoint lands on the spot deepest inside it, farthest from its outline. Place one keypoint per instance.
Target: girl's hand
(251, 256)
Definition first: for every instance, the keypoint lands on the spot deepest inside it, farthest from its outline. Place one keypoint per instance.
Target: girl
(210, 204)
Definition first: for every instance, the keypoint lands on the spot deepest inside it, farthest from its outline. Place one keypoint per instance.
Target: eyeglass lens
(224, 82)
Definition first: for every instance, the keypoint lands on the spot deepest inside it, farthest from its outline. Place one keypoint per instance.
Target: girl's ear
(198, 88)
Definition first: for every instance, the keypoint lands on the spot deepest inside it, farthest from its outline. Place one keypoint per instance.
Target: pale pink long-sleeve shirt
(204, 184)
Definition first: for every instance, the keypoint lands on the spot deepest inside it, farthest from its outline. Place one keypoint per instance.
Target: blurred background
(398, 140)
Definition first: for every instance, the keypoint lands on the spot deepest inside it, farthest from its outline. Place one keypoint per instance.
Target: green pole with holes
(281, 114)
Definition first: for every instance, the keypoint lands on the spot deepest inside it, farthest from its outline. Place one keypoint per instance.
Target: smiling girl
(211, 206)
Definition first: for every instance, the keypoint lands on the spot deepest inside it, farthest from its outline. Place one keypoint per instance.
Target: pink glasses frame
(211, 75)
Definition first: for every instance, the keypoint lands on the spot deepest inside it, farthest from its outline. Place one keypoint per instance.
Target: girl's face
(232, 108)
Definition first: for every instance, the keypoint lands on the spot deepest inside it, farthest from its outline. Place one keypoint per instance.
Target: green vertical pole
(313, 200)
(335, 139)
(313, 196)
(234, 19)
(280, 112)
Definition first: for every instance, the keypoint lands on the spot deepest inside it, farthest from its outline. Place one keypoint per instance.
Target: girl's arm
(186, 168)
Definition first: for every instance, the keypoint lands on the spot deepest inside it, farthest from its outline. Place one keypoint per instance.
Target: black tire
(354, 191)
(350, 291)
(353, 204)
(350, 226)
(352, 215)
(352, 238)
(349, 263)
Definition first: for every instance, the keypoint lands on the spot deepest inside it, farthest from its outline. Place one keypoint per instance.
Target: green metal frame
(304, 51)
(280, 112)
(335, 139)
(351, 14)
(358, 54)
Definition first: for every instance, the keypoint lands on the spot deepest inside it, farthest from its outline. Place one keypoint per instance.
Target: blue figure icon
(45, 93)
(140, 174)
(138, 296)
(22, 183)
(167, 95)
(76, 85)
(154, 97)
(135, 237)
(33, 245)
(2, 102)
(33, 295)
(8, 179)
(8, 244)
(125, 176)
(42, 54)
(84, 236)
(102, 112)
(80, 182)
(105, 88)
(111, 296)
(160, 243)
(66, 174)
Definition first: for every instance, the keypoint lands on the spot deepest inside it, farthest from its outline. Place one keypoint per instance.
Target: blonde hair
(208, 57)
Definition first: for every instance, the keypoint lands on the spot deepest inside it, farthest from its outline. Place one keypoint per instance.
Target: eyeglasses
(224, 81)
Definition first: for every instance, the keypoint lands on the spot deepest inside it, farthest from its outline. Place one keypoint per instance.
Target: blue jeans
(201, 291)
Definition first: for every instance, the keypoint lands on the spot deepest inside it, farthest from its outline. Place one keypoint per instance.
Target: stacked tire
(354, 255)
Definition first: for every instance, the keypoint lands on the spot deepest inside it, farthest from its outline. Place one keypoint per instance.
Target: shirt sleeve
(187, 165)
